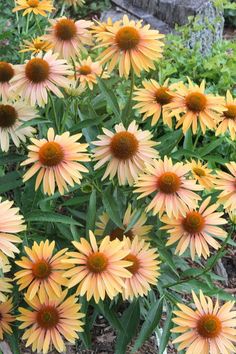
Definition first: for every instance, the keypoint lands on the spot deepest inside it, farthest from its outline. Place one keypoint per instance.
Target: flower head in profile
(87, 71)
(173, 191)
(11, 222)
(13, 114)
(39, 75)
(50, 322)
(37, 7)
(74, 90)
(131, 46)
(5, 288)
(138, 228)
(144, 268)
(98, 270)
(226, 183)
(42, 270)
(35, 46)
(196, 230)
(7, 72)
(125, 151)
(208, 328)
(202, 174)
(196, 107)
(6, 317)
(152, 99)
(228, 118)
(56, 160)
(68, 37)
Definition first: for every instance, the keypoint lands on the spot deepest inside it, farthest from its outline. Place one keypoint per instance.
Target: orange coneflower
(43, 270)
(152, 99)
(99, 270)
(174, 192)
(208, 329)
(37, 7)
(57, 161)
(100, 27)
(126, 152)
(7, 72)
(68, 36)
(11, 222)
(39, 75)
(227, 184)
(87, 71)
(49, 321)
(196, 107)
(36, 45)
(6, 317)
(138, 228)
(228, 118)
(131, 46)
(202, 174)
(144, 268)
(196, 229)
(13, 114)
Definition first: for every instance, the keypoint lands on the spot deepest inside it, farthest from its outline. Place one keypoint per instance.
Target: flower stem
(128, 107)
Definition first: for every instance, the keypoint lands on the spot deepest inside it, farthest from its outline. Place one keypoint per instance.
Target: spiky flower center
(127, 38)
(33, 3)
(196, 101)
(6, 72)
(162, 96)
(65, 29)
(8, 116)
(209, 326)
(41, 269)
(136, 263)
(168, 183)
(97, 262)
(51, 154)
(39, 45)
(47, 317)
(119, 234)
(199, 171)
(37, 70)
(124, 145)
(193, 222)
(85, 70)
(231, 111)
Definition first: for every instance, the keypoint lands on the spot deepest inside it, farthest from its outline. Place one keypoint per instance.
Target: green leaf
(110, 97)
(111, 207)
(10, 158)
(169, 141)
(10, 181)
(110, 315)
(134, 220)
(210, 147)
(166, 331)
(76, 201)
(152, 319)
(33, 122)
(130, 322)
(188, 140)
(40, 216)
(91, 212)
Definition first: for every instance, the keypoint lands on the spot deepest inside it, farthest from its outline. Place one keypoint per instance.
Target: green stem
(38, 24)
(62, 9)
(207, 269)
(27, 24)
(56, 123)
(128, 107)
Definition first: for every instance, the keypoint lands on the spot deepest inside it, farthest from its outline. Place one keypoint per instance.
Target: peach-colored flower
(7, 72)
(13, 114)
(152, 99)
(98, 270)
(208, 329)
(144, 268)
(196, 229)
(6, 317)
(196, 106)
(227, 184)
(57, 161)
(50, 320)
(11, 222)
(68, 36)
(126, 152)
(130, 45)
(42, 270)
(173, 191)
(228, 118)
(202, 174)
(138, 228)
(39, 75)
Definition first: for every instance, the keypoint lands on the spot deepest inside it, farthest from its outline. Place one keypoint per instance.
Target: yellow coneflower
(37, 7)
(36, 45)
